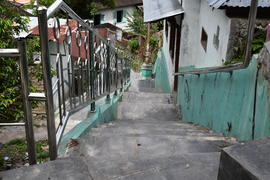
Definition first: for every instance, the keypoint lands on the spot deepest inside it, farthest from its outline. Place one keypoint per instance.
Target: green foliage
(137, 26)
(257, 45)
(10, 100)
(136, 23)
(16, 142)
(94, 6)
(136, 64)
(87, 8)
(10, 23)
(153, 41)
(258, 41)
(45, 3)
(16, 151)
(134, 44)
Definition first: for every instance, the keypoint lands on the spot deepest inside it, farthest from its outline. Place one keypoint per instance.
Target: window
(119, 16)
(216, 38)
(98, 19)
(204, 39)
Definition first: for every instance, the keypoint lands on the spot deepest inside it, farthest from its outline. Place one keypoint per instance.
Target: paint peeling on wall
(220, 101)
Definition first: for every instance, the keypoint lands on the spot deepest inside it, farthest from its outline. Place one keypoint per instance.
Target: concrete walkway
(147, 142)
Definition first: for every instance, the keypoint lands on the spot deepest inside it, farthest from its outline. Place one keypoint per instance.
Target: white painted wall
(198, 14)
(168, 59)
(210, 19)
(190, 32)
(109, 17)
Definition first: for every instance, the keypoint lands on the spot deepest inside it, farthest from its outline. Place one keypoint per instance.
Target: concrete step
(246, 161)
(201, 166)
(157, 128)
(147, 97)
(144, 86)
(114, 146)
(149, 111)
(66, 168)
(184, 167)
(149, 83)
(146, 90)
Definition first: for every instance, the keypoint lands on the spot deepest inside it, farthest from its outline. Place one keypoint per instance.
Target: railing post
(250, 34)
(116, 70)
(108, 80)
(45, 57)
(27, 104)
(92, 71)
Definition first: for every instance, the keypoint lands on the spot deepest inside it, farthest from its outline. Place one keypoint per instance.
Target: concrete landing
(147, 142)
(246, 161)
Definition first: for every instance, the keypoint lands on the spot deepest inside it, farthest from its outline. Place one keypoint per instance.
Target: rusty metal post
(147, 53)
(45, 57)
(251, 27)
(29, 131)
(147, 66)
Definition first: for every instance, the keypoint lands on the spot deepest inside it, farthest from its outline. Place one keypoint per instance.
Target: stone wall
(238, 35)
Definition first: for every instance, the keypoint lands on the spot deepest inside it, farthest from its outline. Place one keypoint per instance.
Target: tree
(136, 23)
(137, 26)
(10, 100)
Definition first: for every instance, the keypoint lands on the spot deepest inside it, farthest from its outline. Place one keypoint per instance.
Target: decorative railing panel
(79, 67)
(89, 68)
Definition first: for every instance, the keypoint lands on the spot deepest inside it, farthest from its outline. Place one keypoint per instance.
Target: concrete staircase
(148, 141)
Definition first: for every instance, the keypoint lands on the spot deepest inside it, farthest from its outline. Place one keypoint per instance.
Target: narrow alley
(147, 141)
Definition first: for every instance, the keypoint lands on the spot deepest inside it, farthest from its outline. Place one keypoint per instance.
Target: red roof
(63, 32)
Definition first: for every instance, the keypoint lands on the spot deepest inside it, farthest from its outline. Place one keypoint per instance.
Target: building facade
(117, 16)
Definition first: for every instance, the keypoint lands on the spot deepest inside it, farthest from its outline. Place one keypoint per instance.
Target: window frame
(122, 16)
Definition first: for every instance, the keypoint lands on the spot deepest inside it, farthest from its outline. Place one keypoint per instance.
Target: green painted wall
(262, 117)
(161, 73)
(223, 102)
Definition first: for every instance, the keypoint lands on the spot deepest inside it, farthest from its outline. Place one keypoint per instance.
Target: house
(212, 28)
(198, 37)
(109, 31)
(118, 15)
(203, 33)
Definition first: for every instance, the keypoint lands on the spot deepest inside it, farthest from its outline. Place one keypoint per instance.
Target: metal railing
(89, 69)
(246, 61)
(20, 53)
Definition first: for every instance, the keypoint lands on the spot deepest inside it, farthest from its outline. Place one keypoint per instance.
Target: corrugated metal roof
(215, 3)
(124, 3)
(237, 3)
(155, 10)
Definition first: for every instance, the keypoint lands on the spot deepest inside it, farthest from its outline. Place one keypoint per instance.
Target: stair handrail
(101, 70)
